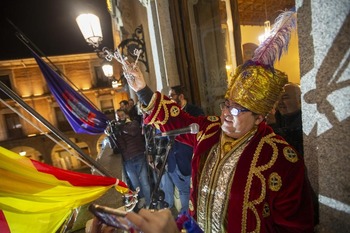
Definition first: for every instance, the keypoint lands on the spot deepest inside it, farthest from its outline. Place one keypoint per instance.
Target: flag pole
(53, 129)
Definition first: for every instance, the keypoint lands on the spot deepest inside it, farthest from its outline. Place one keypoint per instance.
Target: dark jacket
(131, 140)
(290, 128)
(193, 110)
(133, 114)
(181, 154)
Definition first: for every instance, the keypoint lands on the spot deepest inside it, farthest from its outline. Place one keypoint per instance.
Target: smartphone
(109, 216)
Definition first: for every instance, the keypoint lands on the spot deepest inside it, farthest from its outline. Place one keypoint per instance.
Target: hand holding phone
(110, 216)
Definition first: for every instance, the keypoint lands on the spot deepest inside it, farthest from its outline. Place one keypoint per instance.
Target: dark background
(50, 25)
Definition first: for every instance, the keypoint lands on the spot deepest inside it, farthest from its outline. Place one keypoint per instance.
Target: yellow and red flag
(36, 197)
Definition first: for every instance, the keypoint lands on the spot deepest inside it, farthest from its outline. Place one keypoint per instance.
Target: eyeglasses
(233, 111)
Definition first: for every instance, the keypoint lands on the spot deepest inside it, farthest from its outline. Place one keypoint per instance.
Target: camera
(113, 130)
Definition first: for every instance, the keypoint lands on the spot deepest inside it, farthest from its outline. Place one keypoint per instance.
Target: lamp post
(90, 27)
(107, 69)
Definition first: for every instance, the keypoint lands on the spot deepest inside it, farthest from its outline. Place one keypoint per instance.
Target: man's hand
(153, 222)
(95, 226)
(135, 78)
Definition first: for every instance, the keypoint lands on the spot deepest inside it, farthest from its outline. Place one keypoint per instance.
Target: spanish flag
(36, 197)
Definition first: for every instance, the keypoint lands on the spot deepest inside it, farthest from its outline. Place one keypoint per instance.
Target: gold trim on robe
(215, 183)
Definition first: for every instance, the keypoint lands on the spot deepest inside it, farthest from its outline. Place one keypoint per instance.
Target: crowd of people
(129, 141)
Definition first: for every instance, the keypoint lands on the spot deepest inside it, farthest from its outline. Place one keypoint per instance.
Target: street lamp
(89, 25)
(107, 69)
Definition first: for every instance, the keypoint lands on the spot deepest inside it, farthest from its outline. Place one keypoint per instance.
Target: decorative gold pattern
(151, 104)
(216, 184)
(163, 105)
(256, 88)
(275, 181)
(290, 154)
(174, 111)
(213, 118)
(266, 210)
(256, 171)
(190, 205)
(227, 146)
(201, 136)
(227, 143)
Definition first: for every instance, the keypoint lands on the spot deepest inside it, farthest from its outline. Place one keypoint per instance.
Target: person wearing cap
(245, 178)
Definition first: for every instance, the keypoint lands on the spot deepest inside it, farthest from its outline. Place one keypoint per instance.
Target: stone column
(324, 45)
(163, 47)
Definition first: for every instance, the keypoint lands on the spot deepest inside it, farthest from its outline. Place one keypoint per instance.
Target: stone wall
(324, 39)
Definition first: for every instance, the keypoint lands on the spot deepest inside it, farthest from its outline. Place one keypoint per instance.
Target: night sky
(50, 25)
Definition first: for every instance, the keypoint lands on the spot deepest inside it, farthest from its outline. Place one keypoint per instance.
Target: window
(6, 80)
(107, 108)
(101, 79)
(13, 126)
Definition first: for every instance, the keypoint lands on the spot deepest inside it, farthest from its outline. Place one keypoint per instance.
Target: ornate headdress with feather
(256, 85)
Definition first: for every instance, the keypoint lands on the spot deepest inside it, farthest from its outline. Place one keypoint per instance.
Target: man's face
(289, 102)
(175, 97)
(120, 116)
(123, 106)
(237, 126)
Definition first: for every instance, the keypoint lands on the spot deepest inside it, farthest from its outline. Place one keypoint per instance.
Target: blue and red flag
(80, 113)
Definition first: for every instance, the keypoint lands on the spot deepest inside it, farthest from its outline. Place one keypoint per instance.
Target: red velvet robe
(268, 191)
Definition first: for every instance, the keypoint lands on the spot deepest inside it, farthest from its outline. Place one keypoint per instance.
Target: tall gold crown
(256, 85)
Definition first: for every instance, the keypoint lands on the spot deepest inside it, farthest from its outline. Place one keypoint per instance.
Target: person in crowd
(177, 94)
(288, 122)
(131, 109)
(132, 148)
(178, 171)
(124, 104)
(131, 102)
(245, 178)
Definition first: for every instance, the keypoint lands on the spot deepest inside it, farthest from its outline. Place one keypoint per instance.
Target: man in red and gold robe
(245, 178)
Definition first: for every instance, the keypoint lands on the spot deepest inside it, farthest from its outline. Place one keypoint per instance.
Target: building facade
(25, 134)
